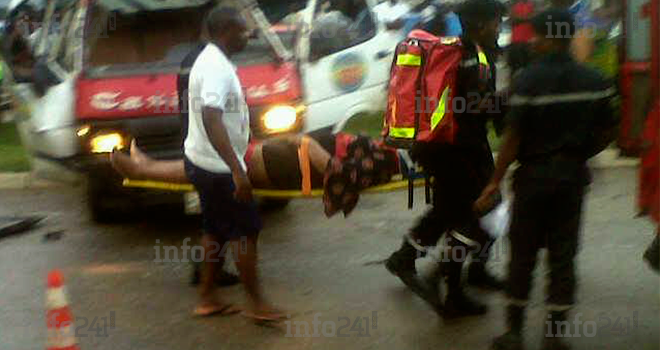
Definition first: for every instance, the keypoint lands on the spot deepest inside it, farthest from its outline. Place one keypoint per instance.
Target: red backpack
(421, 90)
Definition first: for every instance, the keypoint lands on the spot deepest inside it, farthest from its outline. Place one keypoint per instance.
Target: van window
(340, 24)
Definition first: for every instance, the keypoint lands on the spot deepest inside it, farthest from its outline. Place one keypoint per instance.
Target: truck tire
(106, 204)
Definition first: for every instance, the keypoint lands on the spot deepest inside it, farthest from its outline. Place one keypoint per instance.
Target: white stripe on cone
(55, 298)
(59, 338)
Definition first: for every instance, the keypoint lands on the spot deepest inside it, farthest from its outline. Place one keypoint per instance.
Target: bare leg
(246, 262)
(139, 166)
(209, 303)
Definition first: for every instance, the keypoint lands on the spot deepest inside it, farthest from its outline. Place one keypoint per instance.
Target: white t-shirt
(387, 13)
(214, 83)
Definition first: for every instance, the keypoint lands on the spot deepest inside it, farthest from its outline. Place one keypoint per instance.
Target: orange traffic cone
(59, 319)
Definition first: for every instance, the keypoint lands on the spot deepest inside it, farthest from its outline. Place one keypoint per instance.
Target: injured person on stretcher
(341, 164)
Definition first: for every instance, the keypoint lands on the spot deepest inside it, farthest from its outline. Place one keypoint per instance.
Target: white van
(344, 74)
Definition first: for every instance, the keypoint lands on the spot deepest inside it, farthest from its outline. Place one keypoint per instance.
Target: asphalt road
(313, 267)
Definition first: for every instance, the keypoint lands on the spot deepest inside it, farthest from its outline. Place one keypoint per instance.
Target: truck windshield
(259, 51)
(158, 41)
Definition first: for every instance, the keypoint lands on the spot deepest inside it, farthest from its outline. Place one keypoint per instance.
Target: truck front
(128, 91)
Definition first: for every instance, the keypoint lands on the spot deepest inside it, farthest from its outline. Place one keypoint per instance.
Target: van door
(345, 66)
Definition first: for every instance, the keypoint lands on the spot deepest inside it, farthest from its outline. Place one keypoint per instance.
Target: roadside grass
(366, 124)
(372, 124)
(13, 157)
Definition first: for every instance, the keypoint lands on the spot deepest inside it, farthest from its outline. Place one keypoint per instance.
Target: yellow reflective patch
(440, 111)
(482, 58)
(405, 133)
(408, 60)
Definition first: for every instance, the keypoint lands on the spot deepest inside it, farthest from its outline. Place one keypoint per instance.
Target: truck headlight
(280, 118)
(106, 142)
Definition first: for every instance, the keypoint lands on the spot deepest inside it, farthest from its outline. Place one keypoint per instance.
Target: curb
(27, 180)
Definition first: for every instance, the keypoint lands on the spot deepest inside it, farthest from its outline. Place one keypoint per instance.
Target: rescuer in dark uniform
(560, 117)
(460, 172)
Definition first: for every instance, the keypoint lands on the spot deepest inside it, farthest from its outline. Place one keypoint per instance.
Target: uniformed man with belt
(460, 172)
(560, 117)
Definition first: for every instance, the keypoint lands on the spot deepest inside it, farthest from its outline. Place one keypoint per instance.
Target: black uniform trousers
(459, 177)
(545, 214)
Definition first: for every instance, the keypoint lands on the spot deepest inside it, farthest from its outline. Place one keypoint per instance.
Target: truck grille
(159, 137)
(161, 146)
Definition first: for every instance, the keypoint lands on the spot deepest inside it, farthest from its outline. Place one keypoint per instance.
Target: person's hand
(243, 192)
(395, 25)
(485, 201)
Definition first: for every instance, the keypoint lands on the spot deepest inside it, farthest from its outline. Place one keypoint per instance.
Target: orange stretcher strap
(305, 171)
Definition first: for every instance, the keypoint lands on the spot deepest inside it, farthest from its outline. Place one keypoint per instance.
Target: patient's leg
(139, 166)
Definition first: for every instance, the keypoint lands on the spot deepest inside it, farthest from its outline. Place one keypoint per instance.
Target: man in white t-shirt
(392, 13)
(218, 135)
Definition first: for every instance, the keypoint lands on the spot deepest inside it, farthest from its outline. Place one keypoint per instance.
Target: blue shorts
(222, 215)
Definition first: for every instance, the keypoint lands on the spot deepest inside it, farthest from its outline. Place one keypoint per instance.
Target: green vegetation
(13, 157)
(366, 124)
(372, 124)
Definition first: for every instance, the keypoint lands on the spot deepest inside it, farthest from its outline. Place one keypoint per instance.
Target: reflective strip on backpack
(408, 60)
(517, 100)
(440, 111)
(482, 58)
(402, 133)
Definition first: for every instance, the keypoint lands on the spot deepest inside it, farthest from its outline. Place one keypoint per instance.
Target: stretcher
(396, 184)
(409, 178)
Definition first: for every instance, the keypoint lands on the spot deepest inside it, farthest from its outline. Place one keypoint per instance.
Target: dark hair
(473, 13)
(555, 24)
(222, 18)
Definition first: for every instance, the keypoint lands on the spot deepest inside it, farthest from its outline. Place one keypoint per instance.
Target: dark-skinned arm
(217, 133)
(395, 25)
(508, 154)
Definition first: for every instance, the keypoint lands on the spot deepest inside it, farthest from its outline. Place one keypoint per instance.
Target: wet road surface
(311, 266)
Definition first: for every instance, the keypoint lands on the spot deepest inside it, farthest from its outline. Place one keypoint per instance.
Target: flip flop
(224, 310)
(274, 317)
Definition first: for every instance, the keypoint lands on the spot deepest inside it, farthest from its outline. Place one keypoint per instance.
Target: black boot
(652, 254)
(512, 339)
(479, 277)
(458, 304)
(402, 264)
(554, 340)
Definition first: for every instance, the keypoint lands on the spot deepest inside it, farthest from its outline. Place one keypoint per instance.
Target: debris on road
(14, 225)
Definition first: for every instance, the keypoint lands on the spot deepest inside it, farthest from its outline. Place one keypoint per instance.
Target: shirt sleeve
(215, 88)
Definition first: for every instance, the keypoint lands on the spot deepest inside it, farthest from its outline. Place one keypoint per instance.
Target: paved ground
(310, 265)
